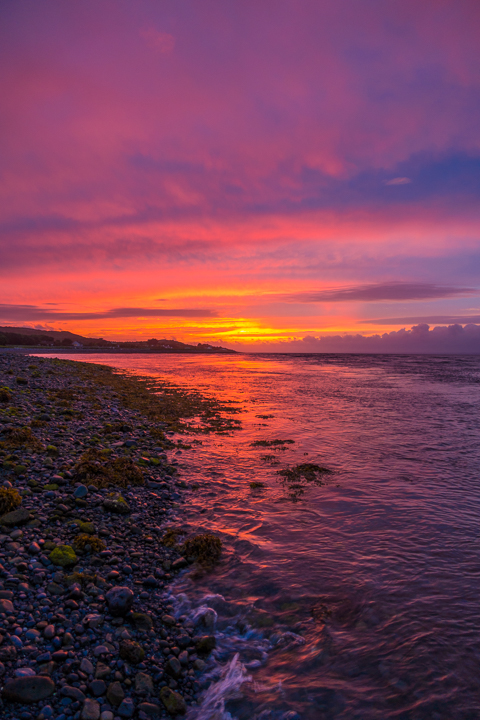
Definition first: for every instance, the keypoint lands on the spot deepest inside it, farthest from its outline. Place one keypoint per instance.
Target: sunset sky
(242, 172)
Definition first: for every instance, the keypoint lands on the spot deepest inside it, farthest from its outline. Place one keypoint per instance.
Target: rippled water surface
(358, 597)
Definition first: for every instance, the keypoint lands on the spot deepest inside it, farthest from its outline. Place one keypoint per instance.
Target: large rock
(115, 694)
(150, 709)
(142, 621)
(90, 710)
(173, 667)
(131, 652)
(119, 600)
(143, 684)
(17, 517)
(28, 689)
(6, 606)
(173, 701)
(63, 556)
(116, 504)
(205, 644)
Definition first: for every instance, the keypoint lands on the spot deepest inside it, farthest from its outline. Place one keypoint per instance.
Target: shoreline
(84, 449)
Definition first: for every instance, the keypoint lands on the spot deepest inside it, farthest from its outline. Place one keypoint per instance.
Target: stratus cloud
(382, 291)
(433, 319)
(33, 312)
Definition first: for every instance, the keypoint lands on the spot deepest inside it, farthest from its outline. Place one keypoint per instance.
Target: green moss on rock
(63, 555)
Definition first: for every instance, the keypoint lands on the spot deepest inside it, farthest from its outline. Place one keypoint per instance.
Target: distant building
(76, 344)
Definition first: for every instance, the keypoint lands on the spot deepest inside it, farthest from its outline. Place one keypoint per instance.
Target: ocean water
(357, 597)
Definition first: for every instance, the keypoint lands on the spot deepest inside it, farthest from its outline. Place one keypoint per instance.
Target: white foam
(227, 687)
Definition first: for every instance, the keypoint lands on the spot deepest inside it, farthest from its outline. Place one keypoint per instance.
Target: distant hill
(30, 337)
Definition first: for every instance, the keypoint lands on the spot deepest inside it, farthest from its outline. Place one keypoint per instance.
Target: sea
(348, 505)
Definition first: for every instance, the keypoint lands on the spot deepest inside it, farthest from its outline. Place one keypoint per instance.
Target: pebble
(90, 710)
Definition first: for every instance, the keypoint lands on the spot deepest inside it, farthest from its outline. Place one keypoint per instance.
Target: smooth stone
(90, 710)
(126, 708)
(24, 672)
(119, 600)
(6, 606)
(28, 689)
(115, 693)
(86, 666)
(106, 715)
(72, 692)
(16, 517)
(173, 701)
(149, 709)
(143, 684)
(173, 667)
(80, 492)
(97, 687)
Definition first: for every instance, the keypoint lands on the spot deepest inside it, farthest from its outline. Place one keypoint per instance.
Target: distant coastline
(25, 339)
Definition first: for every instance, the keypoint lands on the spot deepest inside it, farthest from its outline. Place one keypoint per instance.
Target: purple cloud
(382, 291)
(33, 312)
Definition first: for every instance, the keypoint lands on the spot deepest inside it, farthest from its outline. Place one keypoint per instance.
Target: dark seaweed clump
(121, 472)
(22, 437)
(9, 500)
(5, 395)
(205, 549)
(271, 443)
(91, 542)
(297, 478)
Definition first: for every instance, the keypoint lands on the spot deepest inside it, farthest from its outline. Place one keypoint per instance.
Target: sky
(260, 174)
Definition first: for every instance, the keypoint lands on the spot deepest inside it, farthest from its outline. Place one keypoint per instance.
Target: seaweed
(255, 485)
(271, 443)
(270, 459)
(84, 541)
(23, 436)
(173, 408)
(5, 395)
(298, 478)
(205, 549)
(120, 472)
(171, 536)
(9, 500)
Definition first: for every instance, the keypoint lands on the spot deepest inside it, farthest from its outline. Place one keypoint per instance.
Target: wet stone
(119, 600)
(90, 710)
(28, 689)
(115, 693)
(173, 701)
(143, 684)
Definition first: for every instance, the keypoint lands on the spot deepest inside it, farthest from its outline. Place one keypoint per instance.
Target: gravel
(86, 633)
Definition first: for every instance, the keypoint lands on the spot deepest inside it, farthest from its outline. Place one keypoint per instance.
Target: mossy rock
(52, 450)
(87, 528)
(20, 469)
(173, 701)
(117, 504)
(63, 555)
(142, 621)
(51, 486)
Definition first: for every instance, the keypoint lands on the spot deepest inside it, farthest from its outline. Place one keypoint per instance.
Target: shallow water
(359, 598)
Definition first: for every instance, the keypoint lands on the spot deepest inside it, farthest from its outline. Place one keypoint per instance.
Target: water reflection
(360, 600)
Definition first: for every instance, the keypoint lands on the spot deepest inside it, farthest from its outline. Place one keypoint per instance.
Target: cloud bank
(420, 339)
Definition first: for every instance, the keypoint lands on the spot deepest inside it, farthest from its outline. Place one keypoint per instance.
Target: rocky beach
(88, 484)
